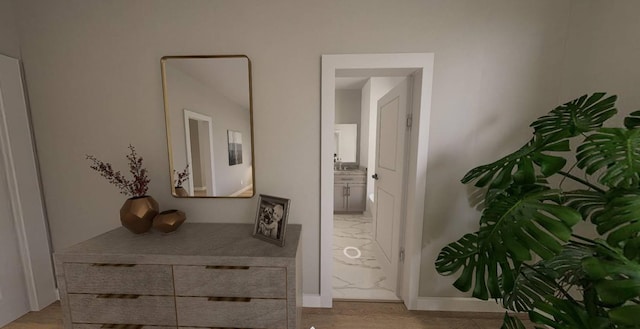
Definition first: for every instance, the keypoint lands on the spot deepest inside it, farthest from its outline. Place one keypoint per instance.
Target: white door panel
(26, 271)
(390, 150)
(13, 291)
(388, 134)
(384, 229)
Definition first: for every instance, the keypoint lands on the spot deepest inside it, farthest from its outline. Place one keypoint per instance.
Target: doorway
(365, 245)
(420, 67)
(200, 157)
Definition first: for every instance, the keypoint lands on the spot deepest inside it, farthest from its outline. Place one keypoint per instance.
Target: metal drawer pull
(118, 296)
(114, 265)
(211, 267)
(122, 326)
(230, 299)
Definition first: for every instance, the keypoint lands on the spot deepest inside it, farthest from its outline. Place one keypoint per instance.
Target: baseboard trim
(457, 304)
(310, 300)
(448, 304)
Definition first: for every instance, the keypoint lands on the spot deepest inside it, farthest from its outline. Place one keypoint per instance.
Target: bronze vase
(169, 220)
(181, 192)
(137, 213)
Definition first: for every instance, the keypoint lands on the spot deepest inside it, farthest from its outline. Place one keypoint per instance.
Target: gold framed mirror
(209, 121)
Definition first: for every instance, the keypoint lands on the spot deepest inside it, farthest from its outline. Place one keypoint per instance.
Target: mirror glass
(345, 140)
(208, 111)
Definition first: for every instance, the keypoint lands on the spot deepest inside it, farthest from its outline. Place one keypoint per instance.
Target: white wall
(94, 79)
(348, 106)
(604, 52)
(9, 44)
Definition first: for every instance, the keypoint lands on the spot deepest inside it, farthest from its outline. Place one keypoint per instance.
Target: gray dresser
(204, 275)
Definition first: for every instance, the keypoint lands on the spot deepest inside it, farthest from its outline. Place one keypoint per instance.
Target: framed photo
(271, 219)
(234, 141)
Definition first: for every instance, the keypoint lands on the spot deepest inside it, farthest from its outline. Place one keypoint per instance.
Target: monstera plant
(526, 254)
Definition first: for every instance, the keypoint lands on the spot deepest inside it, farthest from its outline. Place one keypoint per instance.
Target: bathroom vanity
(349, 191)
(202, 275)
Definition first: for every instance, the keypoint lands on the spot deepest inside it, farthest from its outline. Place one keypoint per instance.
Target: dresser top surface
(191, 239)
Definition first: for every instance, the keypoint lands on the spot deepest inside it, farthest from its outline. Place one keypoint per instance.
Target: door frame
(188, 114)
(23, 179)
(422, 63)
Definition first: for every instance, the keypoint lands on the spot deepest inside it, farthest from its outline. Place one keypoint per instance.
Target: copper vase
(169, 220)
(137, 213)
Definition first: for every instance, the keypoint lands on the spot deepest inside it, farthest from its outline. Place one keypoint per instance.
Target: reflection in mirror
(208, 110)
(345, 139)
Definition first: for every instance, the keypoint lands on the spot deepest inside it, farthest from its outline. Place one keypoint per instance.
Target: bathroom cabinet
(349, 192)
(203, 275)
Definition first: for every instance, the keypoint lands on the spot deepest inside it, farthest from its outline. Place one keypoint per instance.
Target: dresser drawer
(118, 279)
(117, 326)
(350, 179)
(141, 310)
(210, 312)
(219, 281)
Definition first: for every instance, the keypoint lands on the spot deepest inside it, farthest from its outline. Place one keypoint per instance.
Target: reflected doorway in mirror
(200, 153)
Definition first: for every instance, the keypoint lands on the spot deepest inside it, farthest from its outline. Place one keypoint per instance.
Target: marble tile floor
(343, 315)
(356, 272)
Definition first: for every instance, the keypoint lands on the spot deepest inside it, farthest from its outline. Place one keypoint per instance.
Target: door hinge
(409, 120)
(402, 255)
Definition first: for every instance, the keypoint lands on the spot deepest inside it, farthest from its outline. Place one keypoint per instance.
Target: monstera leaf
(519, 166)
(583, 114)
(537, 282)
(633, 120)
(531, 284)
(617, 152)
(477, 259)
(566, 314)
(620, 218)
(626, 316)
(529, 222)
(617, 283)
(589, 203)
(511, 227)
(568, 264)
(632, 249)
(511, 322)
(551, 132)
(617, 278)
(579, 283)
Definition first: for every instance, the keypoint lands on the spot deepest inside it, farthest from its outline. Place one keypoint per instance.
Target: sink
(349, 171)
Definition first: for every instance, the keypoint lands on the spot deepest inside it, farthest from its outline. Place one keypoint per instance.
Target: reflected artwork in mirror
(209, 113)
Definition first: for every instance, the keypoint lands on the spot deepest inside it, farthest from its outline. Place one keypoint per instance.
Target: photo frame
(234, 142)
(271, 219)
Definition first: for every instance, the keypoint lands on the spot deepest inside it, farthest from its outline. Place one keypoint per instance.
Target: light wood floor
(343, 315)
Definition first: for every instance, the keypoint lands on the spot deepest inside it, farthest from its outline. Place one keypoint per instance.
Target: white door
(26, 271)
(390, 149)
(14, 300)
